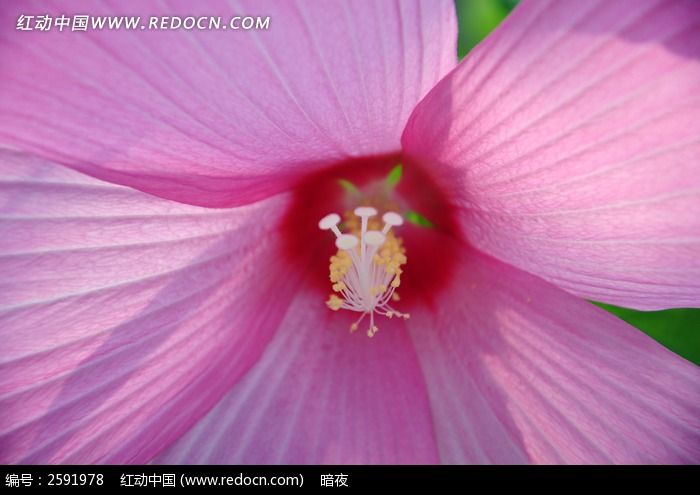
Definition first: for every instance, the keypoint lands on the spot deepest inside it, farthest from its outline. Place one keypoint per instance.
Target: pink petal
(519, 371)
(320, 395)
(124, 318)
(572, 147)
(221, 118)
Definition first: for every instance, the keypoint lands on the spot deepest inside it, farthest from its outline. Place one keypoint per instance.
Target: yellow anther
(334, 302)
(339, 287)
(379, 289)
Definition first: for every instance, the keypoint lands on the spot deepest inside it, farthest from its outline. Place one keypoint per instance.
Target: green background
(677, 329)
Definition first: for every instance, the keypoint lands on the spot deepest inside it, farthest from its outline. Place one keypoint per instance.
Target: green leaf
(418, 219)
(349, 186)
(476, 19)
(673, 328)
(394, 175)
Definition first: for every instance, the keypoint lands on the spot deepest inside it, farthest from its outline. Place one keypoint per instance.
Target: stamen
(365, 272)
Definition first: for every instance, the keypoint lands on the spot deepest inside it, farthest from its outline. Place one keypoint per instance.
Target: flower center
(366, 270)
(364, 285)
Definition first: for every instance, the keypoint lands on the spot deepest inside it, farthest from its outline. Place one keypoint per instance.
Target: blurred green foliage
(477, 18)
(677, 329)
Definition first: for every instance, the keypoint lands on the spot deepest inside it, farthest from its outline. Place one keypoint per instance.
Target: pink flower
(163, 293)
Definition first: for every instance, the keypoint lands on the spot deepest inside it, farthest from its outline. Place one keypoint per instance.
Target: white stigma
(346, 241)
(391, 219)
(367, 277)
(330, 222)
